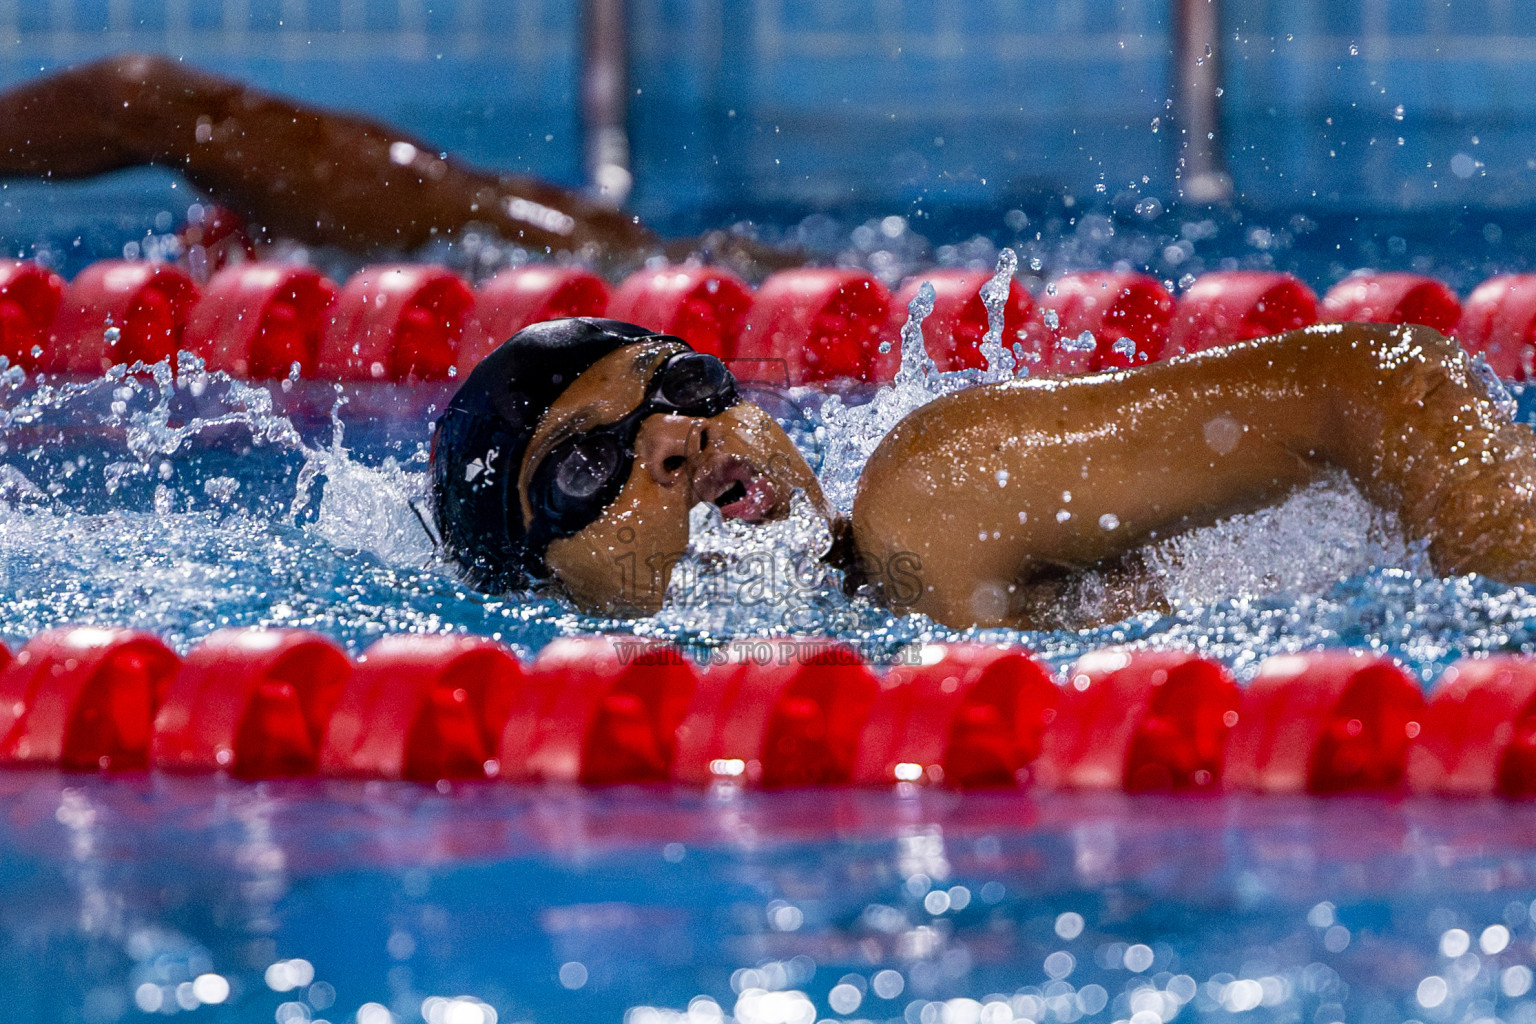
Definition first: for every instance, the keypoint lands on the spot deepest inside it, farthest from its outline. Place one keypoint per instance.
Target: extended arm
(297, 171)
(991, 490)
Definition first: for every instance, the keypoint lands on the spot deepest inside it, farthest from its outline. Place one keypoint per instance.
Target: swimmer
(577, 449)
(310, 175)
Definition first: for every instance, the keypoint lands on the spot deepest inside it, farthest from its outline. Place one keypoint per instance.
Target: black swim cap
(477, 451)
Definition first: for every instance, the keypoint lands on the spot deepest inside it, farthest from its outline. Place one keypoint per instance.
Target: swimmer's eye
(582, 471)
(695, 380)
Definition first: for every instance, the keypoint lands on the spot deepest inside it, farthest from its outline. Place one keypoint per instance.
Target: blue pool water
(933, 134)
(124, 895)
(182, 504)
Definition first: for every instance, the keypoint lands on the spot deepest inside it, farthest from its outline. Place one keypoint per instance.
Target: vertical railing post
(605, 99)
(1202, 175)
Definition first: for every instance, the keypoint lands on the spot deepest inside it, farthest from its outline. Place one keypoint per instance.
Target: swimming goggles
(583, 474)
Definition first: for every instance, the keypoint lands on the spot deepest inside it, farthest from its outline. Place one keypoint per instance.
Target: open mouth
(734, 493)
(742, 492)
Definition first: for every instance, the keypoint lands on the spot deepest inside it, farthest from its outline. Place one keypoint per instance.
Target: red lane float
(119, 312)
(520, 296)
(969, 716)
(257, 320)
(1327, 722)
(598, 711)
(423, 708)
(1110, 306)
(1140, 721)
(1499, 322)
(1479, 733)
(1239, 305)
(952, 333)
(817, 324)
(1393, 299)
(29, 302)
(702, 305)
(777, 713)
(397, 322)
(83, 699)
(252, 702)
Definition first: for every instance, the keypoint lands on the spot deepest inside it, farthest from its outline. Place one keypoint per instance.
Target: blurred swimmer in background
(309, 175)
(576, 451)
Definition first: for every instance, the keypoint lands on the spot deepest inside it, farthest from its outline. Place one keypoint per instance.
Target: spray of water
(184, 502)
(849, 434)
(994, 295)
(744, 579)
(179, 502)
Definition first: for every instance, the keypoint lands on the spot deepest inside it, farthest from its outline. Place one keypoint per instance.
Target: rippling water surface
(126, 898)
(182, 504)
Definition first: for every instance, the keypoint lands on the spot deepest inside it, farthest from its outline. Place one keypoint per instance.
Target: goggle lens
(698, 384)
(584, 474)
(587, 466)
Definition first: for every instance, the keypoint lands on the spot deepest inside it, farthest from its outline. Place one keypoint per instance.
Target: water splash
(848, 434)
(994, 295)
(184, 503)
(743, 579)
(1275, 550)
(917, 366)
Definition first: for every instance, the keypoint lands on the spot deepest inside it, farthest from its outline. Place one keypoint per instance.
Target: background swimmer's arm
(998, 493)
(298, 172)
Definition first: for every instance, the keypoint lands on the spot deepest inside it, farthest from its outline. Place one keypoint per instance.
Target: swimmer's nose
(667, 445)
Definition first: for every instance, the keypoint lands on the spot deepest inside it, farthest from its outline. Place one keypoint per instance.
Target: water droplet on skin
(1222, 434)
(1109, 521)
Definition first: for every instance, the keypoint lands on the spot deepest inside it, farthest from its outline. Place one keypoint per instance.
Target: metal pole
(605, 99)
(1203, 176)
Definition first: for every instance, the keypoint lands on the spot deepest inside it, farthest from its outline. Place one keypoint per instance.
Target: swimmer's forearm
(983, 492)
(302, 173)
(1398, 408)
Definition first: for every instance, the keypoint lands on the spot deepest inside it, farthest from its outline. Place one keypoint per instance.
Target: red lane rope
(419, 322)
(766, 713)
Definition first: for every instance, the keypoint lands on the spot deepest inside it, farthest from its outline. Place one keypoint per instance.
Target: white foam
(1322, 533)
(742, 578)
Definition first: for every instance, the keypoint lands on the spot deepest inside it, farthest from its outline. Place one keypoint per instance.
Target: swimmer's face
(740, 459)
